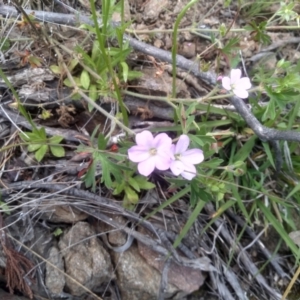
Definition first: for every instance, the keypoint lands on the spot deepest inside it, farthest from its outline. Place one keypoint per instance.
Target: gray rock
(61, 213)
(152, 10)
(187, 49)
(156, 82)
(86, 261)
(55, 280)
(136, 279)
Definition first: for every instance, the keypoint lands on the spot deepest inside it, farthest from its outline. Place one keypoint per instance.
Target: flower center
(177, 156)
(153, 151)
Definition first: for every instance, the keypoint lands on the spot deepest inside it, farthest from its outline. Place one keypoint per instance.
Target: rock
(168, 42)
(153, 9)
(158, 43)
(116, 237)
(156, 82)
(188, 36)
(269, 61)
(116, 16)
(137, 280)
(143, 37)
(85, 259)
(61, 213)
(55, 280)
(248, 46)
(187, 49)
(186, 279)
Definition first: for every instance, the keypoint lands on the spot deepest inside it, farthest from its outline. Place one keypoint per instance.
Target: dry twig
(17, 266)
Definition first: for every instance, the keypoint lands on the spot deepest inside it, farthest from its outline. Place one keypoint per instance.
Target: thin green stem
(101, 36)
(174, 47)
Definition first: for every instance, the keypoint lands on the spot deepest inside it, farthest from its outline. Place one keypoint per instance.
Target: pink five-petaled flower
(236, 84)
(185, 159)
(151, 152)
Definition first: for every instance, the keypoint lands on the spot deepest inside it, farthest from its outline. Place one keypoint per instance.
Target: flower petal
(235, 75)
(162, 140)
(244, 83)
(177, 167)
(138, 153)
(189, 172)
(241, 93)
(144, 138)
(192, 156)
(147, 166)
(226, 83)
(162, 161)
(182, 144)
(172, 149)
(165, 153)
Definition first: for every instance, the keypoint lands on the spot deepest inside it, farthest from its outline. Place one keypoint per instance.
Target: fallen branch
(264, 133)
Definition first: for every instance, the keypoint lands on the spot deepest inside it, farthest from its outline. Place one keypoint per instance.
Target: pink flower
(236, 84)
(185, 159)
(151, 152)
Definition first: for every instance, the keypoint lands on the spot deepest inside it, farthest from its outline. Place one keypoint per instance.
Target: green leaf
(40, 133)
(93, 93)
(56, 69)
(85, 79)
(119, 188)
(75, 96)
(28, 136)
(33, 147)
(96, 53)
(74, 62)
(39, 155)
(102, 142)
(125, 70)
(201, 140)
(143, 183)
(57, 151)
(189, 122)
(86, 58)
(231, 45)
(89, 177)
(55, 139)
(245, 151)
(190, 222)
(269, 154)
(5, 207)
(212, 163)
(278, 227)
(4, 44)
(293, 191)
(239, 200)
(106, 172)
(134, 74)
(131, 195)
(134, 184)
(270, 112)
(174, 198)
(198, 193)
(68, 83)
(20, 106)
(57, 232)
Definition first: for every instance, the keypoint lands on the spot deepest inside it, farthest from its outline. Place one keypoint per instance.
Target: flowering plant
(151, 152)
(159, 152)
(237, 84)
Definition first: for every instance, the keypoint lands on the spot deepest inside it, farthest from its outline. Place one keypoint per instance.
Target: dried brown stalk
(17, 266)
